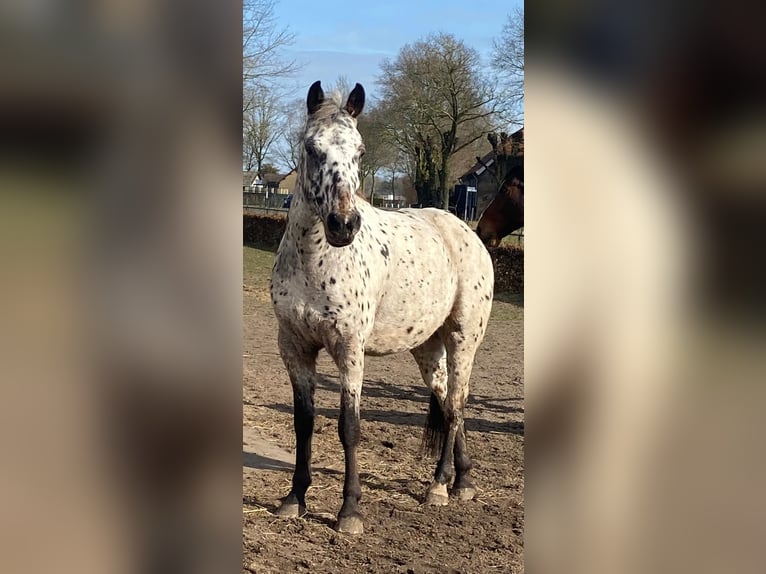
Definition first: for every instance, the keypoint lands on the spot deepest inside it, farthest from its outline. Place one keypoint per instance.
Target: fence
(264, 200)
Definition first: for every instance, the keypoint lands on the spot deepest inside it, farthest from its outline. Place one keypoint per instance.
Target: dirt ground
(401, 535)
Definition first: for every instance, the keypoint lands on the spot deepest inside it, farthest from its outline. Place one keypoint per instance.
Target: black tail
(435, 430)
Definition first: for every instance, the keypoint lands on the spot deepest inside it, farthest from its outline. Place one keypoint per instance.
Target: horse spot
(409, 329)
(332, 280)
(384, 251)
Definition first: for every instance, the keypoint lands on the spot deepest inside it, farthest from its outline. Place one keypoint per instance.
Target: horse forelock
(328, 108)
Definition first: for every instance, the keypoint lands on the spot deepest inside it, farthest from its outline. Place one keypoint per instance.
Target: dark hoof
(464, 493)
(437, 495)
(351, 524)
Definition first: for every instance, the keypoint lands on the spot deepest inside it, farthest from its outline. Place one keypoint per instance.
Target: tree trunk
(372, 190)
(443, 176)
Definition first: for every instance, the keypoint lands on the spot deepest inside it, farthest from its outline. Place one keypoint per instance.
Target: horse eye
(361, 153)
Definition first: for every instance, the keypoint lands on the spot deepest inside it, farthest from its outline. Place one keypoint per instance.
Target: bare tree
(379, 151)
(438, 102)
(508, 63)
(261, 128)
(263, 40)
(288, 148)
(342, 84)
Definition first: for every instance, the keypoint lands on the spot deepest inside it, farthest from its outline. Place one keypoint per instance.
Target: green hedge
(266, 231)
(263, 230)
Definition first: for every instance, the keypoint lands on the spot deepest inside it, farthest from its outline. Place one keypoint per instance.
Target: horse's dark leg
(463, 487)
(349, 517)
(300, 361)
(351, 366)
(437, 492)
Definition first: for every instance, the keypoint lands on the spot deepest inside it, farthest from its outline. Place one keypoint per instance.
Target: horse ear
(355, 101)
(315, 97)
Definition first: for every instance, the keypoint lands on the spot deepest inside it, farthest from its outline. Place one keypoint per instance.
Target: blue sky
(336, 38)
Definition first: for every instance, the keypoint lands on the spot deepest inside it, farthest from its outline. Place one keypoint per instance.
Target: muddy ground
(401, 535)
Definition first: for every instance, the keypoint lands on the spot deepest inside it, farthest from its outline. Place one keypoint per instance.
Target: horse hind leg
(455, 462)
(431, 358)
(463, 487)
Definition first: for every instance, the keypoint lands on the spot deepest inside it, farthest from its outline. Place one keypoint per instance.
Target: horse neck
(303, 217)
(510, 210)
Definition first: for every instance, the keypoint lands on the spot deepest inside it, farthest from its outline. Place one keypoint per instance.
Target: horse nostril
(353, 223)
(334, 223)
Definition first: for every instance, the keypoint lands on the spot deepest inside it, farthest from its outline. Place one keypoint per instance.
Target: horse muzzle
(340, 230)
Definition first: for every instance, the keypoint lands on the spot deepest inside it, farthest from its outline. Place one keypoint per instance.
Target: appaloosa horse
(505, 213)
(356, 280)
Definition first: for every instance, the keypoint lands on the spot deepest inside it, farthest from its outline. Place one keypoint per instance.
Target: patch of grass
(257, 264)
(513, 241)
(504, 310)
(508, 306)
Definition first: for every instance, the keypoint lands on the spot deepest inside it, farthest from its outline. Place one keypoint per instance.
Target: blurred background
(644, 285)
(120, 131)
(120, 413)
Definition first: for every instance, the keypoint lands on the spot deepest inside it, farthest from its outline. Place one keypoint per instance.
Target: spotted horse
(356, 281)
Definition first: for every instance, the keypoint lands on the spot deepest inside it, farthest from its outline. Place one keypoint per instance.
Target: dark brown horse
(505, 213)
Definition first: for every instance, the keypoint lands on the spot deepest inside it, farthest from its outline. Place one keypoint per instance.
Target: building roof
(480, 167)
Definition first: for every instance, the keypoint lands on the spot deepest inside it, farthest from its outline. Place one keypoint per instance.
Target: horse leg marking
(301, 365)
(350, 364)
(460, 353)
(463, 488)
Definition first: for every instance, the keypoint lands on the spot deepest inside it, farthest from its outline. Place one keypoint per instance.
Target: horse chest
(323, 306)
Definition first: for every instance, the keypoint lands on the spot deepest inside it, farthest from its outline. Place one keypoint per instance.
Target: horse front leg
(351, 367)
(300, 361)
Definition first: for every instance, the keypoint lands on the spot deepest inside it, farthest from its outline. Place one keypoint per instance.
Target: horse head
(332, 150)
(505, 213)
